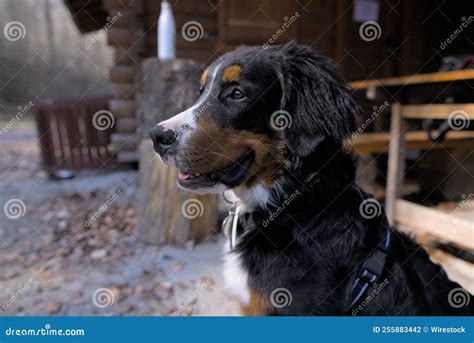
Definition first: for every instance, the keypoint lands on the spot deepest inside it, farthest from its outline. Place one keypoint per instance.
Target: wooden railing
(69, 135)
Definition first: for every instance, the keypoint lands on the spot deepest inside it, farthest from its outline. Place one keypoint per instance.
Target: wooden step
(421, 219)
(377, 142)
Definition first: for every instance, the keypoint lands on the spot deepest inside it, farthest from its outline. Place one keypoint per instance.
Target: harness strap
(371, 268)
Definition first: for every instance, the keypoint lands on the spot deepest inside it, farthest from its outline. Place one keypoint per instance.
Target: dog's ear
(316, 98)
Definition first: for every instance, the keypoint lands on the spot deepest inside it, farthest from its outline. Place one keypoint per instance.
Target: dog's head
(258, 107)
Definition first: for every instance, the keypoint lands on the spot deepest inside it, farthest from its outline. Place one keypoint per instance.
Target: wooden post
(168, 214)
(396, 160)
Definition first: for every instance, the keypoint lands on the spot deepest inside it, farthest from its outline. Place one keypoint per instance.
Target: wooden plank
(124, 90)
(377, 142)
(122, 73)
(45, 136)
(122, 108)
(119, 36)
(182, 44)
(126, 140)
(422, 219)
(208, 23)
(438, 111)
(396, 160)
(126, 125)
(448, 76)
(458, 270)
(190, 7)
(135, 6)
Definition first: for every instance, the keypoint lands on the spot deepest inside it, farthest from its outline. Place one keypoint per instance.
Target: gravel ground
(62, 257)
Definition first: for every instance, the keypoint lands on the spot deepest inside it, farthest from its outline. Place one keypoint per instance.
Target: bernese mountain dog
(270, 125)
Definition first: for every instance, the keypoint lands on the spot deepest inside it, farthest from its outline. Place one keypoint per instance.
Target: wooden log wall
(127, 36)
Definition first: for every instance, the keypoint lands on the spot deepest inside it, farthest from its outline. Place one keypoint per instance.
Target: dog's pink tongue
(183, 176)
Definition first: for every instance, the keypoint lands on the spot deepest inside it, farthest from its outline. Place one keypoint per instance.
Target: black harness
(372, 267)
(369, 272)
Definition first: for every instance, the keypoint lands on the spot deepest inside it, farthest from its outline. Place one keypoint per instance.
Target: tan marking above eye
(203, 78)
(232, 73)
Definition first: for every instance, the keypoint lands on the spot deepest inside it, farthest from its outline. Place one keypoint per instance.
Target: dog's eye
(237, 94)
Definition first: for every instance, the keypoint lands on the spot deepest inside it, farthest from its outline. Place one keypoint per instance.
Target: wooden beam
(377, 142)
(438, 111)
(458, 270)
(122, 73)
(135, 6)
(127, 140)
(422, 219)
(126, 125)
(190, 7)
(122, 108)
(119, 36)
(448, 76)
(396, 160)
(125, 90)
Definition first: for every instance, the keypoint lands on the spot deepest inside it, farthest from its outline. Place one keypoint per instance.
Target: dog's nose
(162, 139)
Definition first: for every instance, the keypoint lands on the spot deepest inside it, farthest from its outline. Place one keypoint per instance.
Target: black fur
(310, 237)
(316, 245)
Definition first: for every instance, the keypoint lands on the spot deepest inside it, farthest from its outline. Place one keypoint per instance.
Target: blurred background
(92, 224)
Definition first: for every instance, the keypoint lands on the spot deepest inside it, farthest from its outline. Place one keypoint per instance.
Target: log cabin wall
(326, 25)
(126, 35)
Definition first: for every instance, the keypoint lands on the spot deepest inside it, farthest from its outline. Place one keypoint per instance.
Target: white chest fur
(235, 276)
